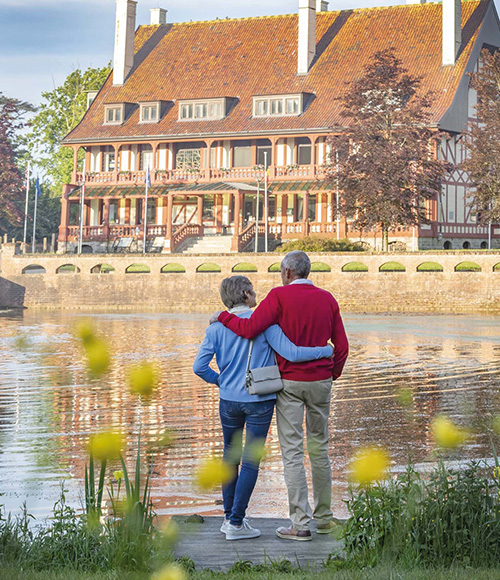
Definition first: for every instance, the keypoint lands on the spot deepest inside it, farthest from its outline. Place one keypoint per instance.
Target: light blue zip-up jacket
(231, 353)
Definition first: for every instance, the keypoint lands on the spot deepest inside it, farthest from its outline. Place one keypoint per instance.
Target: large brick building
(207, 105)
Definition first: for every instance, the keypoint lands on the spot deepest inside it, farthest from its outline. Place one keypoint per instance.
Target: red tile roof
(245, 57)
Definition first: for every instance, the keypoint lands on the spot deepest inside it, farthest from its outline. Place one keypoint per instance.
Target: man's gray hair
(297, 262)
(233, 290)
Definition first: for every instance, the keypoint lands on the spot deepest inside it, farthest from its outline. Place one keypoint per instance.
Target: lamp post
(266, 203)
(257, 217)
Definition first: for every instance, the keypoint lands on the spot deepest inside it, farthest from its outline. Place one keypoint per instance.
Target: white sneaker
(225, 523)
(244, 532)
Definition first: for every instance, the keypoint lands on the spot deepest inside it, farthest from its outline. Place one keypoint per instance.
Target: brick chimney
(124, 40)
(307, 35)
(158, 16)
(452, 30)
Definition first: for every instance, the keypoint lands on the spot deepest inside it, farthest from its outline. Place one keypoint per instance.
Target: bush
(355, 267)
(321, 245)
(451, 518)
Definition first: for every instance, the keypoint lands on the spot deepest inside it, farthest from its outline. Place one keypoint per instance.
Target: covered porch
(114, 217)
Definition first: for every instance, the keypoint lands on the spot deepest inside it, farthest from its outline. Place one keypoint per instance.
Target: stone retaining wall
(372, 291)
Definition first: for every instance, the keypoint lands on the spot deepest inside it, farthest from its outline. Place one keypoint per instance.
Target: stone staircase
(211, 244)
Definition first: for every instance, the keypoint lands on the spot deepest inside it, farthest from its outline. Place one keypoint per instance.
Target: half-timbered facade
(230, 121)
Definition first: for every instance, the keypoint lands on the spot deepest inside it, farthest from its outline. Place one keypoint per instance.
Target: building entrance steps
(208, 547)
(214, 244)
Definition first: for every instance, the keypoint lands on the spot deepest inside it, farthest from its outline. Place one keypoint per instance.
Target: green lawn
(138, 269)
(320, 267)
(245, 267)
(275, 267)
(355, 267)
(379, 573)
(173, 269)
(430, 267)
(209, 267)
(467, 267)
(392, 267)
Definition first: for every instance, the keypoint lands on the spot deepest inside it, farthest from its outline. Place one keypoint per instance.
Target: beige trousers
(313, 397)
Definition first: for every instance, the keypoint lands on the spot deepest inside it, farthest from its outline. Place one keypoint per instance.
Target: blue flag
(38, 189)
(148, 178)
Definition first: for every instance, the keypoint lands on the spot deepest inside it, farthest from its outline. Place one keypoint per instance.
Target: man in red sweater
(308, 316)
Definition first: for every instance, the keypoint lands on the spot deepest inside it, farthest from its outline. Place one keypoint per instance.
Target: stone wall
(371, 291)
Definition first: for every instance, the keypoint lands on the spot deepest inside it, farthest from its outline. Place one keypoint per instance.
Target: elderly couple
(295, 321)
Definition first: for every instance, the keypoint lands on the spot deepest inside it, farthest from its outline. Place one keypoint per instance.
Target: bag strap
(248, 363)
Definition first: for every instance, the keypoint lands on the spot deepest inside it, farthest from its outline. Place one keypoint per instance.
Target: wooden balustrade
(159, 176)
(183, 232)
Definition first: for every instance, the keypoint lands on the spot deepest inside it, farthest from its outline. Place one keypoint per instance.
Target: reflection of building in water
(56, 407)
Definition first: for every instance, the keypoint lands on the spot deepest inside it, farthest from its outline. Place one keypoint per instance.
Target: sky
(42, 41)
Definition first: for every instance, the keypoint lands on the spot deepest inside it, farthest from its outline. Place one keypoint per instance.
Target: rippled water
(48, 406)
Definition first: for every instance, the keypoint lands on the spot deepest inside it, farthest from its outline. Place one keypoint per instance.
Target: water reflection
(48, 406)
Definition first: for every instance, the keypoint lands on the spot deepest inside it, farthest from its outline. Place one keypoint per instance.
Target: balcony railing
(285, 173)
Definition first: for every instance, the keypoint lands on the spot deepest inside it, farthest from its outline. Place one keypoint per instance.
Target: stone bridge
(362, 282)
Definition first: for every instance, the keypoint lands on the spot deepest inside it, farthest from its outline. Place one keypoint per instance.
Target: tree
(61, 110)
(387, 166)
(12, 112)
(483, 140)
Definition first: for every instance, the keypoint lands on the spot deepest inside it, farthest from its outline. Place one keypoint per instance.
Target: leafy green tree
(386, 169)
(483, 140)
(12, 113)
(61, 110)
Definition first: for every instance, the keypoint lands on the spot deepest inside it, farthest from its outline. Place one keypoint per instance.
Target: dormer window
(206, 109)
(91, 95)
(114, 114)
(278, 105)
(150, 112)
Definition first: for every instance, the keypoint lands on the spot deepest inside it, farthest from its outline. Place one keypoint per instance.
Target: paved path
(208, 547)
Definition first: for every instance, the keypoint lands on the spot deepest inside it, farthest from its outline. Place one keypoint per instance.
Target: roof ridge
(271, 16)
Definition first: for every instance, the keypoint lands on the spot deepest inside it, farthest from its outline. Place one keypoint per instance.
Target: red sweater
(308, 316)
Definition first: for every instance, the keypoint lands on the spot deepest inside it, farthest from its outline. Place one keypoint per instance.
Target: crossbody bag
(265, 380)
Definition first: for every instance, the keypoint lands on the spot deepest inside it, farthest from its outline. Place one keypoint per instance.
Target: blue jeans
(234, 416)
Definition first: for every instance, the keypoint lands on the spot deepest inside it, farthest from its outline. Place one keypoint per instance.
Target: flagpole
(82, 206)
(337, 196)
(266, 202)
(257, 219)
(33, 241)
(146, 212)
(26, 206)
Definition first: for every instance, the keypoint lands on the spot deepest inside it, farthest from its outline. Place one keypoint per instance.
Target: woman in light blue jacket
(238, 408)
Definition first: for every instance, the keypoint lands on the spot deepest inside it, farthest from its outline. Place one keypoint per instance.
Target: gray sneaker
(243, 532)
(225, 523)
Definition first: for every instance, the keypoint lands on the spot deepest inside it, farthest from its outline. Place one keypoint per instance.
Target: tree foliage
(387, 167)
(61, 110)
(12, 112)
(483, 140)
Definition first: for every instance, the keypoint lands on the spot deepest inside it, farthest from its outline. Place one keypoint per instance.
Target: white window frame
(153, 105)
(263, 105)
(117, 107)
(202, 110)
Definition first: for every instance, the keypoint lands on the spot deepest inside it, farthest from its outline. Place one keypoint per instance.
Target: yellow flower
(98, 357)
(170, 572)
(213, 472)
(369, 464)
(106, 446)
(143, 379)
(85, 332)
(496, 424)
(447, 434)
(118, 475)
(257, 451)
(171, 532)
(405, 397)
(166, 439)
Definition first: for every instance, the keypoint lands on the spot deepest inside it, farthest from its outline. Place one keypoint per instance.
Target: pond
(49, 407)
